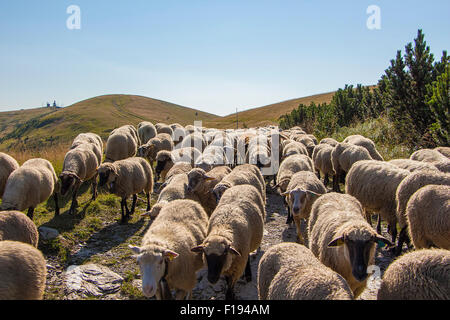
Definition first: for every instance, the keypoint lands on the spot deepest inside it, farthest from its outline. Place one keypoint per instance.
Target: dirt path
(109, 247)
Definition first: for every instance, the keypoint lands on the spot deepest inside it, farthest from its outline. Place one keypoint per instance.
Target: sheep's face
(67, 181)
(196, 178)
(297, 200)
(152, 262)
(217, 255)
(161, 163)
(107, 175)
(219, 190)
(359, 245)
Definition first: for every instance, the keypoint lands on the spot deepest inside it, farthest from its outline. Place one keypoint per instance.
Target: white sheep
(165, 160)
(7, 165)
(175, 188)
(412, 165)
(91, 140)
(428, 155)
(125, 178)
(303, 189)
(374, 183)
(163, 128)
(418, 275)
(31, 184)
(341, 238)
(322, 161)
(242, 174)
(343, 157)
(406, 189)
(290, 271)
(164, 257)
(201, 184)
(428, 216)
(16, 226)
(162, 141)
(235, 229)
(146, 131)
(23, 271)
(122, 143)
(361, 141)
(80, 164)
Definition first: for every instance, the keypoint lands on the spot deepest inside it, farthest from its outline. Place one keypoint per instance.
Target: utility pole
(237, 119)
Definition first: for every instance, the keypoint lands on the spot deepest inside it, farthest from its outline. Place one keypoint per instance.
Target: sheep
(374, 183)
(16, 226)
(428, 217)
(80, 164)
(444, 151)
(92, 141)
(303, 189)
(332, 142)
(178, 133)
(23, 271)
(291, 165)
(405, 190)
(166, 159)
(163, 128)
(322, 161)
(32, 183)
(174, 189)
(418, 275)
(361, 141)
(194, 140)
(125, 178)
(146, 131)
(293, 147)
(343, 157)
(7, 165)
(235, 229)
(162, 141)
(164, 257)
(201, 184)
(290, 271)
(122, 143)
(341, 238)
(428, 155)
(179, 167)
(242, 174)
(307, 141)
(443, 166)
(412, 165)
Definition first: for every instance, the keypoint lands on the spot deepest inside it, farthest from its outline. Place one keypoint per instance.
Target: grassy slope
(41, 128)
(267, 115)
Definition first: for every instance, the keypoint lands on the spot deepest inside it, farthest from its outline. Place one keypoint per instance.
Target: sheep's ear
(382, 242)
(208, 178)
(170, 255)
(198, 249)
(233, 250)
(135, 249)
(337, 242)
(147, 214)
(313, 193)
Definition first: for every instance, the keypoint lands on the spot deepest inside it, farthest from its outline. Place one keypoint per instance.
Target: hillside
(43, 127)
(267, 115)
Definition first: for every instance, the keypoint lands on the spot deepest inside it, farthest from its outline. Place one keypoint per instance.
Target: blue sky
(213, 55)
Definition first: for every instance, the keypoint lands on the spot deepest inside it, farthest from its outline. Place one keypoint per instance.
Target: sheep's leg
(165, 290)
(55, 198)
(180, 294)
(318, 174)
(393, 231)
(124, 209)
(94, 188)
(402, 238)
(326, 180)
(133, 205)
(229, 295)
(148, 201)
(30, 212)
(248, 271)
(74, 200)
(379, 224)
(289, 216)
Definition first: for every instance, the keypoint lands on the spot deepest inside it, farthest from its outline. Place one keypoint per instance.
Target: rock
(46, 233)
(91, 280)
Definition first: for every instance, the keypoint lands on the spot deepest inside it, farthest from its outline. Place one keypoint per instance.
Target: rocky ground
(103, 267)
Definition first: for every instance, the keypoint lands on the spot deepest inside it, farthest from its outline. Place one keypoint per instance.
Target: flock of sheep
(211, 211)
